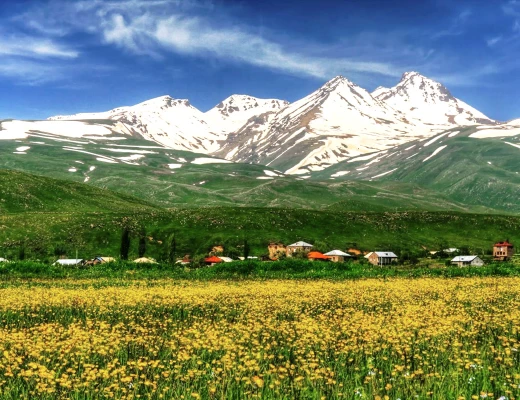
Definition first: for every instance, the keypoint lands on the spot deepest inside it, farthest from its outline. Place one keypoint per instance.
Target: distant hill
(22, 192)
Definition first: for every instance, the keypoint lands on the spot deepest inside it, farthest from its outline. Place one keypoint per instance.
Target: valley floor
(437, 338)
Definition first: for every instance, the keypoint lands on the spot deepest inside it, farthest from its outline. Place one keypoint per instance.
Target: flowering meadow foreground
(375, 339)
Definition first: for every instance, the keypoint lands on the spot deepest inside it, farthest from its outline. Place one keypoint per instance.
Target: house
(248, 257)
(184, 261)
(69, 262)
(226, 259)
(451, 250)
(212, 260)
(3, 260)
(367, 256)
(104, 260)
(298, 246)
(145, 260)
(503, 251)
(216, 250)
(337, 255)
(382, 258)
(275, 250)
(354, 251)
(462, 261)
(316, 255)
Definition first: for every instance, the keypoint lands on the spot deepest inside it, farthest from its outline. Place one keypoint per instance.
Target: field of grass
(168, 339)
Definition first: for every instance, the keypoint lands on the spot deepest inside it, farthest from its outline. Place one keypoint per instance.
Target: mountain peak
(429, 101)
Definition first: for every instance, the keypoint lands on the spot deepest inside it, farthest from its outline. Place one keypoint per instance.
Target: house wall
(293, 249)
(373, 259)
(503, 252)
(477, 262)
(275, 249)
(337, 258)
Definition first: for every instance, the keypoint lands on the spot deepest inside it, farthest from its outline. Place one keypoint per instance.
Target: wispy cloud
(493, 41)
(34, 47)
(457, 25)
(156, 28)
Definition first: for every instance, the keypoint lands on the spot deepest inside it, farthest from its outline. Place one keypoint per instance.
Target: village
(502, 251)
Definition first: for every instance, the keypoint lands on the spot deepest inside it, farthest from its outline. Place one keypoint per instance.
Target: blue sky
(62, 57)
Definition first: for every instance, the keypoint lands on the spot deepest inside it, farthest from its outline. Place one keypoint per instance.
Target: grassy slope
(20, 192)
(216, 184)
(479, 172)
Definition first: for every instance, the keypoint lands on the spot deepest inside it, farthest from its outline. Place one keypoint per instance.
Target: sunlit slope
(21, 192)
(472, 166)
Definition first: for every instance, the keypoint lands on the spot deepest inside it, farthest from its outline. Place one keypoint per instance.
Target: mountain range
(338, 121)
(443, 152)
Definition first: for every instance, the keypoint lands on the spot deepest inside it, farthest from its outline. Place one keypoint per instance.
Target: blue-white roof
(464, 258)
(300, 244)
(71, 261)
(385, 254)
(337, 253)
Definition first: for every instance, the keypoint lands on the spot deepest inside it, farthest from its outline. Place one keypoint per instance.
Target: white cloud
(27, 46)
(157, 27)
(493, 41)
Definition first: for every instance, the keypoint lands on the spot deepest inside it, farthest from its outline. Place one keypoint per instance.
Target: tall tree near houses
(172, 253)
(247, 249)
(125, 243)
(141, 250)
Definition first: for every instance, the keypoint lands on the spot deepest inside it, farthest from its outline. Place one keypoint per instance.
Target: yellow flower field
(368, 339)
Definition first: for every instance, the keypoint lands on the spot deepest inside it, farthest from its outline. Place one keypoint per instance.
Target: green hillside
(473, 171)
(171, 178)
(22, 192)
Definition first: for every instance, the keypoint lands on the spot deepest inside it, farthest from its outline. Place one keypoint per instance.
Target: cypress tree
(142, 243)
(125, 244)
(173, 249)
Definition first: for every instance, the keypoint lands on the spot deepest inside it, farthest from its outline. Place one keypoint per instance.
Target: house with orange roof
(503, 251)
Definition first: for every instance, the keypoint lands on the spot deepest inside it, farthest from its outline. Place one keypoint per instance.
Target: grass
(122, 271)
(433, 338)
(478, 172)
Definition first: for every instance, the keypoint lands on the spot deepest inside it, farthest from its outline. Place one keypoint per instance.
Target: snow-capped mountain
(232, 113)
(171, 122)
(177, 124)
(337, 121)
(425, 100)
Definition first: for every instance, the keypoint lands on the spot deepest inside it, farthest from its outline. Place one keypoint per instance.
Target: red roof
(212, 260)
(503, 244)
(318, 256)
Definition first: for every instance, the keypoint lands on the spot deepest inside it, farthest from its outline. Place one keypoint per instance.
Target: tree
(125, 243)
(172, 253)
(21, 252)
(247, 249)
(141, 250)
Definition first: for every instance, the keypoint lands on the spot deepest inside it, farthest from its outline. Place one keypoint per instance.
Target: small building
(216, 250)
(212, 260)
(381, 258)
(145, 260)
(276, 250)
(184, 261)
(104, 260)
(69, 262)
(464, 261)
(337, 255)
(226, 259)
(298, 246)
(451, 250)
(317, 256)
(3, 260)
(248, 257)
(354, 251)
(503, 251)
